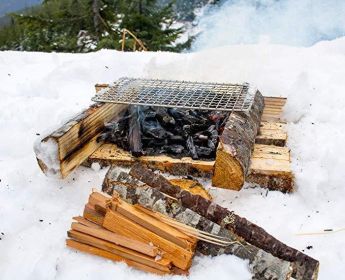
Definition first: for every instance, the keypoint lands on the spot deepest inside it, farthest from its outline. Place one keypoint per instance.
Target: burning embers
(175, 132)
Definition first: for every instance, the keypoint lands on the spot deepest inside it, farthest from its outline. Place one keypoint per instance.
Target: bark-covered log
(263, 265)
(305, 267)
(235, 146)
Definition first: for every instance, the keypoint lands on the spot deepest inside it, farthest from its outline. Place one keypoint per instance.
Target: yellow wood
(154, 225)
(116, 239)
(108, 255)
(117, 223)
(192, 186)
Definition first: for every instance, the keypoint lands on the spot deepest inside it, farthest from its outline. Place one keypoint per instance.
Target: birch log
(235, 146)
(263, 265)
(305, 267)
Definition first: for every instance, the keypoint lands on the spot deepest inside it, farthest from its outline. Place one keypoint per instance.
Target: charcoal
(164, 118)
(154, 129)
(173, 131)
(204, 151)
(174, 149)
(134, 134)
(191, 147)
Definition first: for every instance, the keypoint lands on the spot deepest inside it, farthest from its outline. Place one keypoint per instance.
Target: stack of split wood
(116, 230)
(152, 224)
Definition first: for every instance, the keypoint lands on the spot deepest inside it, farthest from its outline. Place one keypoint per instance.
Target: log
(59, 153)
(262, 264)
(235, 146)
(190, 185)
(305, 267)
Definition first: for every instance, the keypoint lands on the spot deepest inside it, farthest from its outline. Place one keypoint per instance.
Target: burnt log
(134, 134)
(262, 265)
(305, 267)
(235, 146)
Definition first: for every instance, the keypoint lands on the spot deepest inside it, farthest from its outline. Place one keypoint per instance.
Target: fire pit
(186, 128)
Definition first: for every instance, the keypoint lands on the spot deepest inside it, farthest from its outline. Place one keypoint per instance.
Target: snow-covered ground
(38, 91)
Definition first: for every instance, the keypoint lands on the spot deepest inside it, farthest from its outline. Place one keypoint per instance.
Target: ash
(146, 130)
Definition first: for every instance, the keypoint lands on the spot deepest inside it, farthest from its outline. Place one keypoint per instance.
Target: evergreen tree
(152, 24)
(86, 25)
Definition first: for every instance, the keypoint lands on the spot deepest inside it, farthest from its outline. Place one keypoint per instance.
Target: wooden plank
(117, 239)
(111, 256)
(110, 153)
(117, 223)
(272, 133)
(134, 255)
(271, 168)
(59, 153)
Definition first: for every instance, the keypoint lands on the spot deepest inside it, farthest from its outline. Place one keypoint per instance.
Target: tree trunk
(305, 267)
(235, 146)
(96, 16)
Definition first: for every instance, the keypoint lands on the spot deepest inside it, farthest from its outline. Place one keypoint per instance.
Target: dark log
(263, 265)
(305, 267)
(191, 147)
(134, 134)
(235, 146)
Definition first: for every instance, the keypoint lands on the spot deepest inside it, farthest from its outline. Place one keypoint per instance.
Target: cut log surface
(67, 147)
(235, 146)
(262, 265)
(305, 266)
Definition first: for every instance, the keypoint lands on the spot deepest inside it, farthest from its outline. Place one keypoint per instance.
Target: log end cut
(228, 172)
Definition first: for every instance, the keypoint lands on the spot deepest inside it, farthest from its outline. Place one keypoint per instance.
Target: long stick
(305, 266)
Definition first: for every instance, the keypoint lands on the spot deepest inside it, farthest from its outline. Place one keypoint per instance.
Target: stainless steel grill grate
(180, 94)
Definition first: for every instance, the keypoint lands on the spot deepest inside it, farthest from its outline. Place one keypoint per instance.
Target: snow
(40, 91)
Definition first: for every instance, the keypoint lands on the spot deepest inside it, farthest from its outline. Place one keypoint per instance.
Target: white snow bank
(39, 90)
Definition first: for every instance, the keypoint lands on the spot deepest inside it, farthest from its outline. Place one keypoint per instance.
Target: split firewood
(119, 231)
(262, 264)
(235, 146)
(161, 264)
(305, 267)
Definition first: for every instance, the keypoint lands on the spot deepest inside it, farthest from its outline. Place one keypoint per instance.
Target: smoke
(288, 22)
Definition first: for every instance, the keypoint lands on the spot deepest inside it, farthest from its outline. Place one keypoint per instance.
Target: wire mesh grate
(178, 94)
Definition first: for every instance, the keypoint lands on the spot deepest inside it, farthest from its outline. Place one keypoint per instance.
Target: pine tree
(152, 24)
(86, 25)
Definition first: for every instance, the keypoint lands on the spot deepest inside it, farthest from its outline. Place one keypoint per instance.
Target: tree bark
(235, 146)
(263, 265)
(305, 267)
(96, 16)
